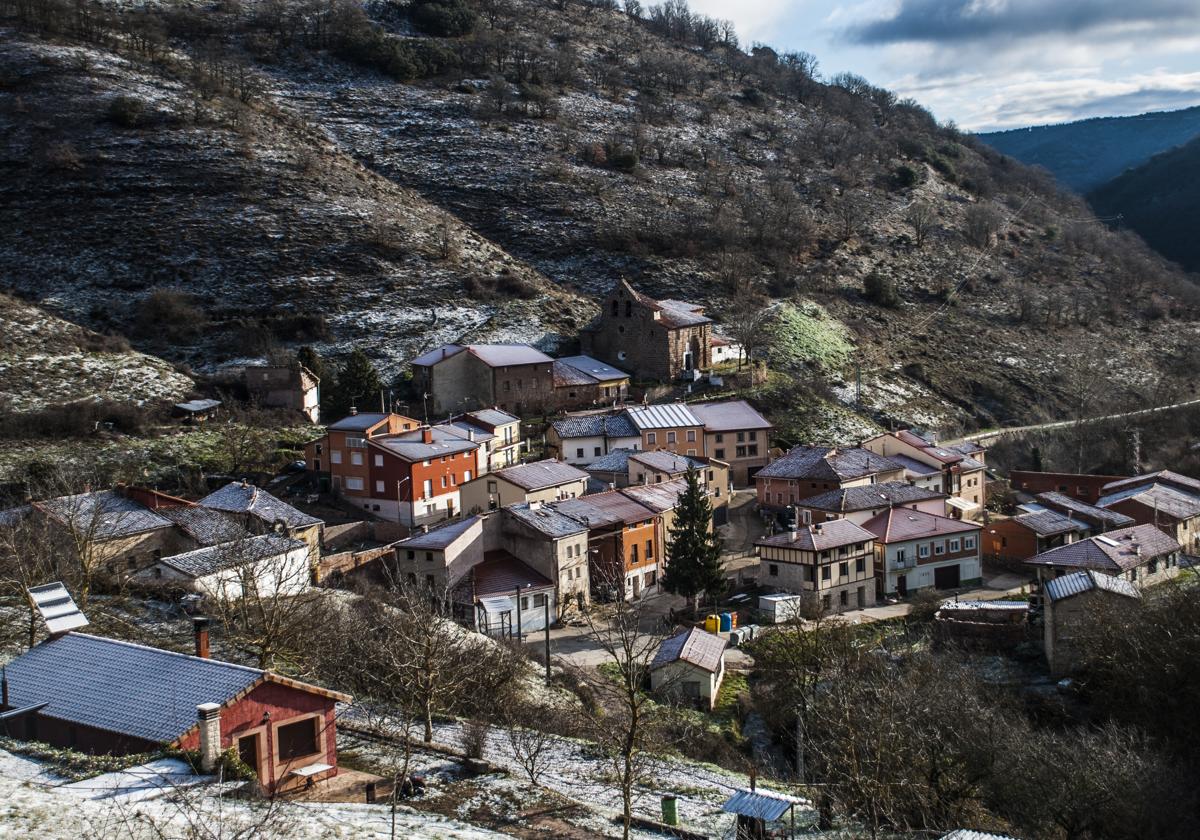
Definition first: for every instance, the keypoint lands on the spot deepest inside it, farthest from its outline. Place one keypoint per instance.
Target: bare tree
(922, 218)
(529, 732)
(980, 224)
(749, 320)
(27, 559)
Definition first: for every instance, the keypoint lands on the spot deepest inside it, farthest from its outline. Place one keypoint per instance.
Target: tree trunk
(801, 757)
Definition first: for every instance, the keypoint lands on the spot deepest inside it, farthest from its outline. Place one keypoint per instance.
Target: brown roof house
(1141, 554)
(831, 563)
(866, 501)
(661, 340)
(1072, 603)
(917, 550)
(812, 470)
(1166, 499)
(1017, 538)
(958, 469)
(515, 378)
(690, 665)
(540, 481)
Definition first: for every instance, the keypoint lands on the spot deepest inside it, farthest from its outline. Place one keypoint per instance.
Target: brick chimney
(200, 630)
(209, 717)
(426, 435)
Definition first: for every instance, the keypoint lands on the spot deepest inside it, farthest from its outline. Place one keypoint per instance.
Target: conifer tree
(358, 384)
(693, 548)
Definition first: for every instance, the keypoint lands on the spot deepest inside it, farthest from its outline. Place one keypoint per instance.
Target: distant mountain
(1085, 154)
(1160, 200)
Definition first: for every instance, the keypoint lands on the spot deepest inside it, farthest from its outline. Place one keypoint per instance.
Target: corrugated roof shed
(1077, 583)
(761, 804)
(693, 646)
(240, 497)
(667, 416)
(231, 555)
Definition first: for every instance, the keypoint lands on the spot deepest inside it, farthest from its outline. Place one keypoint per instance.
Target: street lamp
(398, 483)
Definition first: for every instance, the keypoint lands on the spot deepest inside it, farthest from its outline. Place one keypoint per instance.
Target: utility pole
(858, 384)
(1136, 439)
(546, 613)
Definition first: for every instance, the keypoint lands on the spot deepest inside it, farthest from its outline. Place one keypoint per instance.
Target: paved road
(995, 434)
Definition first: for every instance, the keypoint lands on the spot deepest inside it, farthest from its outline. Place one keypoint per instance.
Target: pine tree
(358, 384)
(694, 548)
(311, 359)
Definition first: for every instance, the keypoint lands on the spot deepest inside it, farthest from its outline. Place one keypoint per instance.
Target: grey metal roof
(197, 406)
(1082, 510)
(1077, 583)
(204, 525)
(695, 647)
(870, 497)
(827, 463)
(505, 355)
(667, 462)
(230, 555)
(1114, 552)
(57, 607)
(240, 497)
(668, 416)
(546, 519)
(820, 536)
(104, 514)
(438, 539)
(594, 368)
(411, 446)
(615, 461)
(437, 354)
(493, 417)
(541, 474)
(120, 687)
(358, 422)
(729, 416)
(761, 804)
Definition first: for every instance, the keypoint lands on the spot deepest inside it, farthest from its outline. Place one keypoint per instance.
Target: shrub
(880, 290)
(169, 314)
(622, 159)
(474, 738)
(447, 20)
(905, 177)
(127, 111)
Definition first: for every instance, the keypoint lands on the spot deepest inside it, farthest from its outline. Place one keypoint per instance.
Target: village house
(105, 696)
(581, 439)
(259, 512)
(293, 387)
(339, 457)
(860, 503)
(583, 381)
(689, 666)
(265, 565)
(1097, 519)
(625, 542)
(917, 550)
(515, 378)
(959, 470)
(439, 558)
(807, 471)
(726, 351)
(1165, 499)
(734, 432)
(1083, 487)
(655, 340)
(1070, 605)
(644, 468)
(830, 563)
(508, 598)
(540, 481)
(498, 432)
(1017, 538)
(1141, 554)
(554, 545)
(663, 499)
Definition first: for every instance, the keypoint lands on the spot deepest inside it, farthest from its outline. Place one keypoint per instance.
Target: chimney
(200, 629)
(353, 410)
(426, 435)
(535, 505)
(471, 435)
(209, 717)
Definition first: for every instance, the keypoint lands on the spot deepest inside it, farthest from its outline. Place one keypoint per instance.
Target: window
(825, 573)
(427, 487)
(633, 553)
(427, 462)
(356, 442)
(741, 437)
(628, 308)
(968, 543)
(720, 453)
(319, 448)
(860, 565)
(773, 570)
(843, 570)
(412, 578)
(842, 595)
(923, 551)
(466, 475)
(379, 460)
(378, 486)
(428, 556)
(955, 545)
(651, 438)
(539, 600)
(356, 459)
(335, 456)
(507, 385)
(691, 435)
(354, 483)
(670, 437)
(616, 308)
(720, 438)
(410, 555)
(579, 452)
(901, 555)
(649, 549)
(741, 452)
(297, 739)
(752, 449)
(453, 480)
(443, 482)
(317, 464)
(939, 548)
(595, 450)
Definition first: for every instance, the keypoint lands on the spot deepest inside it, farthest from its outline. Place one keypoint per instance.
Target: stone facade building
(661, 340)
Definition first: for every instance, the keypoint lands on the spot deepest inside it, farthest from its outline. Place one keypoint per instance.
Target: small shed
(195, 411)
(757, 810)
(690, 664)
(781, 608)
(1070, 605)
(267, 565)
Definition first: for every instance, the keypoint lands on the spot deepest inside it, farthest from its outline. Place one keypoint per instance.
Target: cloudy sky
(990, 64)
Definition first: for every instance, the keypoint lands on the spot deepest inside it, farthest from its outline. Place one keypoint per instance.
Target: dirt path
(992, 435)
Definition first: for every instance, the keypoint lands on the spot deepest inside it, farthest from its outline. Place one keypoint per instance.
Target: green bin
(670, 810)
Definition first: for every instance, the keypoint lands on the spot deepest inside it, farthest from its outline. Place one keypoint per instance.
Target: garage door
(946, 577)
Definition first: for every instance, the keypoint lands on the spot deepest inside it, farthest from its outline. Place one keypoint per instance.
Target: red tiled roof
(501, 573)
(900, 524)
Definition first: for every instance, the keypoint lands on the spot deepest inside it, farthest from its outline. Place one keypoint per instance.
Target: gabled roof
(615, 461)
(104, 514)
(129, 689)
(761, 804)
(604, 509)
(663, 461)
(545, 519)
(1048, 523)
(438, 539)
(411, 446)
(729, 416)
(466, 430)
(593, 368)
(437, 354)
(595, 425)
(869, 497)
(1082, 510)
(821, 536)
(1113, 553)
(1183, 482)
(912, 465)
(900, 524)
(566, 376)
(540, 475)
(500, 573)
(1163, 498)
(659, 497)
(666, 416)
(241, 497)
(678, 313)
(231, 555)
(825, 463)
(695, 647)
(1076, 583)
(506, 355)
(358, 422)
(204, 525)
(492, 417)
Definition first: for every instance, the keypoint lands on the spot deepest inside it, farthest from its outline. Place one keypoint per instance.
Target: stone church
(661, 340)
